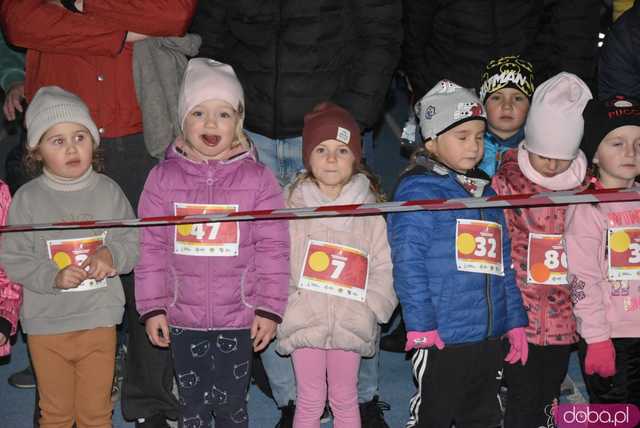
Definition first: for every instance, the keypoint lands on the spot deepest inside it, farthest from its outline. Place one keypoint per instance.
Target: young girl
(340, 286)
(10, 293)
(506, 90)
(601, 244)
(548, 159)
(221, 287)
(73, 297)
(452, 271)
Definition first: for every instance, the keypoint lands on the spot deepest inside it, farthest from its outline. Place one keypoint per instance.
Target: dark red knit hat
(328, 121)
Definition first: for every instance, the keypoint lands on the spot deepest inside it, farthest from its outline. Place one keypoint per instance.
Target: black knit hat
(602, 117)
(507, 72)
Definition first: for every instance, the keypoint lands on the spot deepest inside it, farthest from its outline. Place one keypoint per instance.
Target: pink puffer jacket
(551, 320)
(10, 293)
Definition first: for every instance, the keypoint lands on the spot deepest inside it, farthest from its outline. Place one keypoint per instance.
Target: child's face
(460, 148)
(548, 167)
(507, 110)
(331, 163)
(66, 150)
(210, 129)
(618, 157)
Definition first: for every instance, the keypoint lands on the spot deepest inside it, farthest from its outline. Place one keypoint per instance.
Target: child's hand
(70, 277)
(519, 350)
(99, 264)
(262, 331)
(157, 329)
(423, 340)
(3, 339)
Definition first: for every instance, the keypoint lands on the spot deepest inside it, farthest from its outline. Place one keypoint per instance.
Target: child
(507, 87)
(340, 286)
(73, 297)
(220, 286)
(548, 159)
(452, 271)
(10, 293)
(603, 271)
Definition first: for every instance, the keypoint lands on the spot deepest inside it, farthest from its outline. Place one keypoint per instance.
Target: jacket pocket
(359, 319)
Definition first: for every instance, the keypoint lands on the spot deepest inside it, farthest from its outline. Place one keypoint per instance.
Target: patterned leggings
(213, 369)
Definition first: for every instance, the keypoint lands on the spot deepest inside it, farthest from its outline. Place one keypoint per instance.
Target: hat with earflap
(446, 106)
(602, 117)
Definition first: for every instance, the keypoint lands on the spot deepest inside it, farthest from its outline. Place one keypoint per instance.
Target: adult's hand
(13, 101)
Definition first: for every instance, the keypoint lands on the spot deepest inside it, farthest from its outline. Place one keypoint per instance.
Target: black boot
(286, 419)
(395, 341)
(372, 413)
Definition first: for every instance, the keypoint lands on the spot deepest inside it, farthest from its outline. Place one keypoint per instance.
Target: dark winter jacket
(463, 306)
(619, 70)
(291, 54)
(454, 39)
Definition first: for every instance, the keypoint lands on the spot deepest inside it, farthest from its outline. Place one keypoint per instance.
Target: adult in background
(619, 68)
(289, 56)
(85, 47)
(446, 39)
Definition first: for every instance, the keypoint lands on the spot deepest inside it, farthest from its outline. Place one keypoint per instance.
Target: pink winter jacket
(317, 320)
(551, 320)
(604, 309)
(10, 293)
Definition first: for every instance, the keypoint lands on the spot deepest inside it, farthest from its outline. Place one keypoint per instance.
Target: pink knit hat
(555, 126)
(207, 79)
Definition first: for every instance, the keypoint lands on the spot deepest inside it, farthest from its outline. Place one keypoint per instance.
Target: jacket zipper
(208, 288)
(487, 291)
(277, 70)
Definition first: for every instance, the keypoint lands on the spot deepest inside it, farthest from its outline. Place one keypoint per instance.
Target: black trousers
(624, 386)
(458, 384)
(213, 369)
(532, 388)
(148, 377)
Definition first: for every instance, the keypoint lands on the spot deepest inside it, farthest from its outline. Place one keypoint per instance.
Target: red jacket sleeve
(44, 27)
(150, 17)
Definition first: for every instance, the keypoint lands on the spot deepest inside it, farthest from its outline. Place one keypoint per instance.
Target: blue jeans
(283, 382)
(283, 157)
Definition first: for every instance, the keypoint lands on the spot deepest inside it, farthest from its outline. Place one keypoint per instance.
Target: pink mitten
(601, 359)
(519, 350)
(423, 339)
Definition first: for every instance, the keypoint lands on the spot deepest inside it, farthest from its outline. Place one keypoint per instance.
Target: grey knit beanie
(52, 105)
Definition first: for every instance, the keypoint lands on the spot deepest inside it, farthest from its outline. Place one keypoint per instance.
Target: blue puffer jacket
(463, 306)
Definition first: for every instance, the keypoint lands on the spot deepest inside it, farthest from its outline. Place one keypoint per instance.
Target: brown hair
(374, 181)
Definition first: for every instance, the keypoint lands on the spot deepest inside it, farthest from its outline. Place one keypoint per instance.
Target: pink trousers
(317, 369)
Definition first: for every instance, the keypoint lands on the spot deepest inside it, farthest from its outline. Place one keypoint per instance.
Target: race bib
(479, 247)
(64, 252)
(623, 252)
(335, 269)
(206, 239)
(546, 260)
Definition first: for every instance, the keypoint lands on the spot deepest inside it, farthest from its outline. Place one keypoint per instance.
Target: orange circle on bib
(319, 261)
(539, 272)
(466, 243)
(62, 260)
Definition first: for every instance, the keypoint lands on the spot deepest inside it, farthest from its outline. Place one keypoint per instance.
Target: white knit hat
(52, 105)
(207, 79)
(445, 106)
(555, 125)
